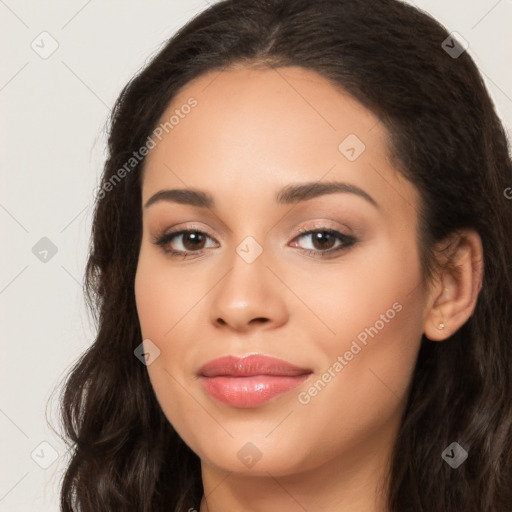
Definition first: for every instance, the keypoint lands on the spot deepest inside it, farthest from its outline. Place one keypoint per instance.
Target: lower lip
(250, 391)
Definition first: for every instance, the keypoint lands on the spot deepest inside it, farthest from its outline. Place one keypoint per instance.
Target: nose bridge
(247, 292)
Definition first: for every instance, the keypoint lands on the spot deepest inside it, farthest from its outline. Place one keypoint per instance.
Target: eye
(325, 241)
(188, 242)
(185, 243)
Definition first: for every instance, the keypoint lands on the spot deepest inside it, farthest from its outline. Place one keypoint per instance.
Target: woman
(301, 265)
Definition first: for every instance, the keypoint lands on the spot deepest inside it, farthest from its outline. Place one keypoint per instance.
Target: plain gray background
(53, 113)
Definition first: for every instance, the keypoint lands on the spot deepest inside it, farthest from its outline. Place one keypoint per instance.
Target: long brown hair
(445, 137)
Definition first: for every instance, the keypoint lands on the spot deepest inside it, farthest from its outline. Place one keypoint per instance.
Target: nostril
(260, 320)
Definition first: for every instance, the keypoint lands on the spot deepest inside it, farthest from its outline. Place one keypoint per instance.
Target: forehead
(270, 107)
(257, 128)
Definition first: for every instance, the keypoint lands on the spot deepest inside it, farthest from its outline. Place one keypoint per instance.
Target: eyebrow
(290, 194)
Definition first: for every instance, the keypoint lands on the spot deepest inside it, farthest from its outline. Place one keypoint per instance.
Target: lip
(250, 381)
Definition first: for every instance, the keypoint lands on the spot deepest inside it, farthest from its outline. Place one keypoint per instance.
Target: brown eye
(193, 240)
(325, 242)
(185, 242)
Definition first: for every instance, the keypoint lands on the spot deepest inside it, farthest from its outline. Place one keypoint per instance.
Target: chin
(255, 455)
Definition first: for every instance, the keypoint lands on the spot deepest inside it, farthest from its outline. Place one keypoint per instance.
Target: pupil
(195, 238)
(317, 237)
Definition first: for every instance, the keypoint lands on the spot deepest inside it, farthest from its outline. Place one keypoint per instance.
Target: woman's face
(277, 265)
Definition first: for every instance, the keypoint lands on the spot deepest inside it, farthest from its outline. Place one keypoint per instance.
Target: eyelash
(346, 242)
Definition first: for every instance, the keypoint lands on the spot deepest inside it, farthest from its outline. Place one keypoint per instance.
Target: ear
(455, 287)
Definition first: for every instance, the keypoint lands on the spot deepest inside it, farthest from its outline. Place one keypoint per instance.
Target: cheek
(369, 362)
(374, 293)
(382, 312)
(163, 295)
(156, 307)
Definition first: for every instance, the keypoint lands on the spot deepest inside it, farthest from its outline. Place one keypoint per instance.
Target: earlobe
(454, 294)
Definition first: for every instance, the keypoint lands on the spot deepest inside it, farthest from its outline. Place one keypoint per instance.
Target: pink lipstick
(250, 381)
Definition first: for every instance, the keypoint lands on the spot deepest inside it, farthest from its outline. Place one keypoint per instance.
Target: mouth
(250, 381)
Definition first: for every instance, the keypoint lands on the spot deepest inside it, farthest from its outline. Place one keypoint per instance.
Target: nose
(249, 296)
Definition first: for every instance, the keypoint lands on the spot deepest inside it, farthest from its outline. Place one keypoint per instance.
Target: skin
(253, 132)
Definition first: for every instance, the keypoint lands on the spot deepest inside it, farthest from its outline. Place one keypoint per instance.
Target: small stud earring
(441, 325)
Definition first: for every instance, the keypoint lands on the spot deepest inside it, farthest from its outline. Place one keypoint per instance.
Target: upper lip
(249, 366)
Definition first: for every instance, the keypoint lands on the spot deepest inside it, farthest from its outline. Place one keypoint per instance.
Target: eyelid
(325, 226)
(179, 231)
(319, 225)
